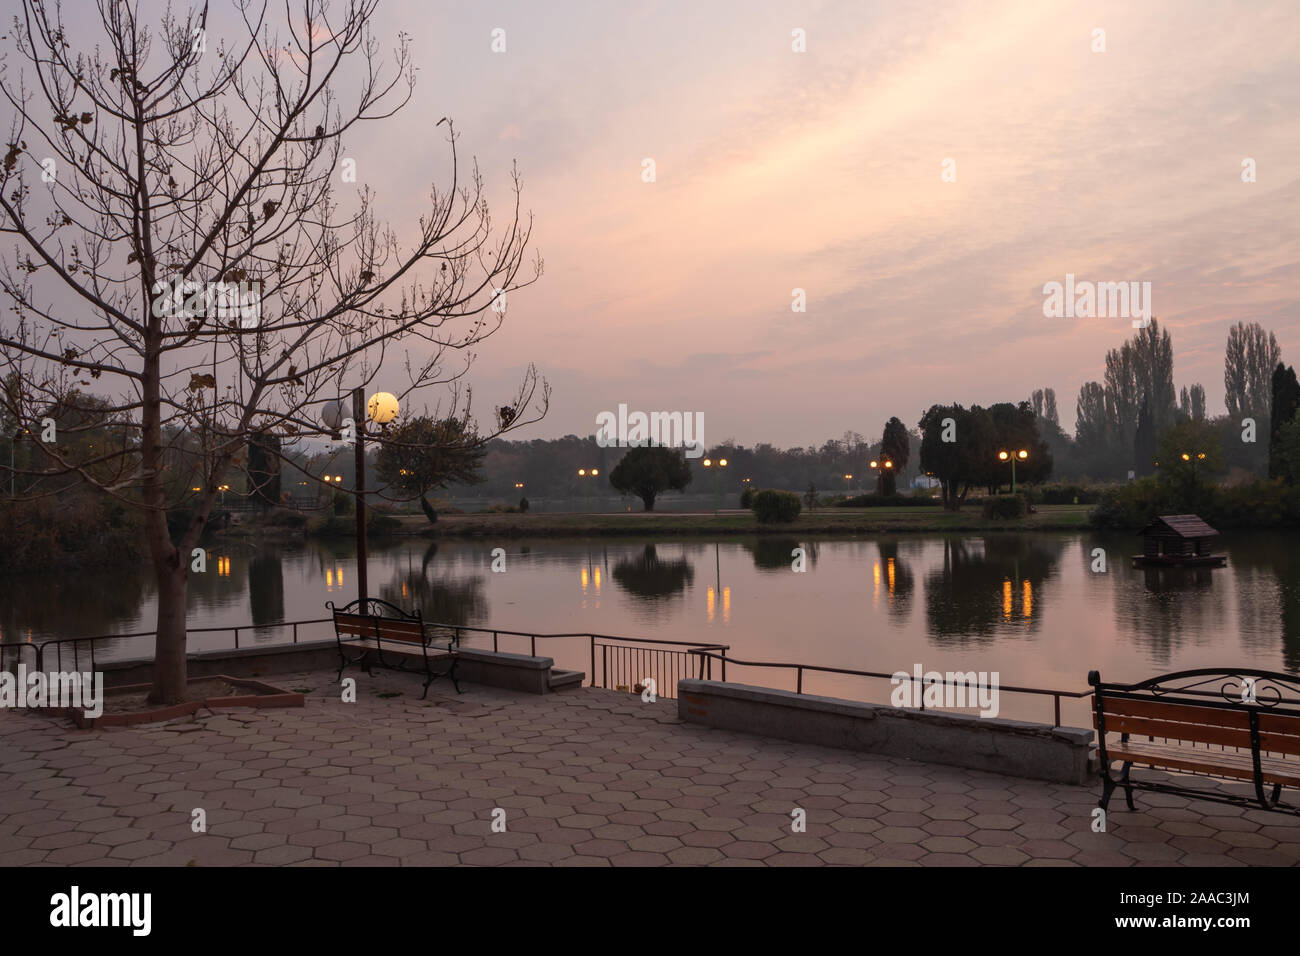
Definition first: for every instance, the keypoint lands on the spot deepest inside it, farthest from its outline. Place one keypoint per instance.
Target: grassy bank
(828, 521)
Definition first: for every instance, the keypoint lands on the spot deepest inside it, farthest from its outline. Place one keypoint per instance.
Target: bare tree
(196, 247)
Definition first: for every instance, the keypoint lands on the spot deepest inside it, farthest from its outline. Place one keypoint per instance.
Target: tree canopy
(650, 470)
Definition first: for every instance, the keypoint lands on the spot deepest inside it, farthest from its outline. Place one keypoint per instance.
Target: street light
(382, 408)
(583, 472)
(880, 468)
(722, 463)
(1200, 456)
(1008, 456)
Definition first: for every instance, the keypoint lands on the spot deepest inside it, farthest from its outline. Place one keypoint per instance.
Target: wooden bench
(1241, 726)
(358, 623)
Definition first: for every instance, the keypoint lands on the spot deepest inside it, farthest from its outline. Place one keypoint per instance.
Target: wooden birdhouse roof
(1178, 526)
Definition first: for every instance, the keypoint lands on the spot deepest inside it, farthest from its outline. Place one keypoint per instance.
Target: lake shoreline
(851, 522)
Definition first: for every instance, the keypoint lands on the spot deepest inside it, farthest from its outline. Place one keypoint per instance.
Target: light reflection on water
(1027, 606)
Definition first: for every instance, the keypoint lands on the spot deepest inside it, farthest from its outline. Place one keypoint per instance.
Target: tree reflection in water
(774, 554)
(1265, 581)
(48, 606)
(458, 602)
(651, 578)
(989, 587)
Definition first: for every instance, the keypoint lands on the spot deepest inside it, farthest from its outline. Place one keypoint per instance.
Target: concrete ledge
(1017, 748)
(490, 668)
(244, 662)
(532, 675)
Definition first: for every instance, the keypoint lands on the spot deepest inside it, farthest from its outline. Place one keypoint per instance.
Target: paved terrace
(586, 777)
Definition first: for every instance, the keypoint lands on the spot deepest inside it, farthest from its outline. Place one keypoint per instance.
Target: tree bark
(170, 673)
(648, 501)
(170, 571)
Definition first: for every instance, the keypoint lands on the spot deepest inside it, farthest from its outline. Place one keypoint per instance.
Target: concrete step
(564, 680)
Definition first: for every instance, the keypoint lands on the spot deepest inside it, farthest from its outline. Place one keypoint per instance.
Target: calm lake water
(1027, 606)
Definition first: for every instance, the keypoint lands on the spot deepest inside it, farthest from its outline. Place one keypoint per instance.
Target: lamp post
(1199, 456)
(381, 409)
(847, 479)
(880, 467)
(584, 472)
(13, 473)
(1011, 457)
(708, 463)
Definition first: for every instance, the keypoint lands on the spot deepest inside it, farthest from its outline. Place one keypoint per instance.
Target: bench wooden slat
(1201, 733)
(1280, 723)
(386, 629)
(1175, 711)
(1219, 763)
(1170, 720)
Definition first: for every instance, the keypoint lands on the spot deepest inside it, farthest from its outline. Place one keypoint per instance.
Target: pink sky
(821, 170)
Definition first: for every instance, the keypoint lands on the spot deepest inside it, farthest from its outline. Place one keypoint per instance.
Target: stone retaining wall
(1036, 751)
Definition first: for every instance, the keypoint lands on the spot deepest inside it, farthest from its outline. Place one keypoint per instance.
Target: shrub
(1006, 506)
(523, 506)
(747, 496)
(380, 522)
(776, 506)
(888, 501)
(332, 526)
(78, 529)
(498, 508)
(1132, 505)
(285, 518)
(343, 504)
(1067, 494)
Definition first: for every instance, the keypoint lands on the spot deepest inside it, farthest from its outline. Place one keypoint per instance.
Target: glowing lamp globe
(382, 408)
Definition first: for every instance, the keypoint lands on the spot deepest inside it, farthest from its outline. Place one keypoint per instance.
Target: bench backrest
(385, 628)
(1224, 725)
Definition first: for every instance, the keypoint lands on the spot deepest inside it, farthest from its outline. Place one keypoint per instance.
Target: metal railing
(626, 661)
(705, 672)
(76, 643)
(615, 661)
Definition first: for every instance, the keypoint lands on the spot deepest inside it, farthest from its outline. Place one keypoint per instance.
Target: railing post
(1057, 698)
(295, 632)
(723, 654)
(532, 644)
(494, 642)
(236, 638)
(798, 680)
(604, 665)
(591, 638)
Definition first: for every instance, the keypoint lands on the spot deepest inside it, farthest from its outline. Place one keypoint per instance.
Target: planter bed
(213, 692)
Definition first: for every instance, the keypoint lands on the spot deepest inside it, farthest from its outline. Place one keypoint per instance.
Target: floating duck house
(1178, 541)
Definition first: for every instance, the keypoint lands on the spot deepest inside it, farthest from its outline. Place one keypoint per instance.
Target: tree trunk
(428, 510)
(648, 501)
(170, 566)
(170, 672)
